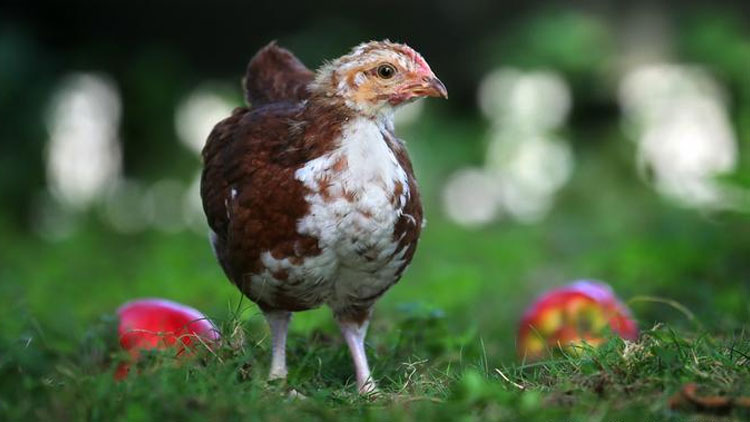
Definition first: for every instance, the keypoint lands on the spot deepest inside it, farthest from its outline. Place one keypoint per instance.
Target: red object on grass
(159, 324)
(570, 315)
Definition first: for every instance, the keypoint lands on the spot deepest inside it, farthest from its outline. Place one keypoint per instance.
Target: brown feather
(256, 152)
(274, 74)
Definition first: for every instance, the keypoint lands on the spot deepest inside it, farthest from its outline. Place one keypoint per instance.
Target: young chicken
(310, 196)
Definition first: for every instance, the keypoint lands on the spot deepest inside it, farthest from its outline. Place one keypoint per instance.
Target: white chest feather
(357, 192)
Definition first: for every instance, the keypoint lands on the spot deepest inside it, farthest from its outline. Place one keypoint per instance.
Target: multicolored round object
(566, 317)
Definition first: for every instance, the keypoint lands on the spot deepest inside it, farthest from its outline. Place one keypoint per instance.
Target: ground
(442, 341)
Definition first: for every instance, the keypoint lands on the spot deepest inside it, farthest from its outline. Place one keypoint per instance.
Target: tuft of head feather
(342, 78)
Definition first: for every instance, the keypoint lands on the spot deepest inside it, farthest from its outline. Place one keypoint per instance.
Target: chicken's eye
(386, 71)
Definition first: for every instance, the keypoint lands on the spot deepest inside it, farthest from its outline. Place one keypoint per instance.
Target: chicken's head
(376, 77)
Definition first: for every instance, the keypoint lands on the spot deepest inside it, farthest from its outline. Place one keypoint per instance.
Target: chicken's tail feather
(274, 74)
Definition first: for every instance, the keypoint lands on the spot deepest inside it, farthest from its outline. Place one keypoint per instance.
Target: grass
(423, 375)
(442, 341)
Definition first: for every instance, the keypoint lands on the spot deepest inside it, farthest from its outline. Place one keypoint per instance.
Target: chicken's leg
(279, 323)
(354, 335)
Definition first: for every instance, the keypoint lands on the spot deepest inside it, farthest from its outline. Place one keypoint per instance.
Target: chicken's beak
(427, 86)
(424, 86)
(432, 87)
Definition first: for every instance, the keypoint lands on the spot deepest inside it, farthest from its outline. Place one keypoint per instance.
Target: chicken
(310, 196)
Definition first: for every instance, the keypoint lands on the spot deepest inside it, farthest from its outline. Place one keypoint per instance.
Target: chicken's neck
(380, 114)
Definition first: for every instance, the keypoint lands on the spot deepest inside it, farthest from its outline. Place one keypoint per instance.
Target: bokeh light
(197, 114)
(193, 207)
(409, 114)
(526, 163)
(163, 205)
(529, 169)
(83, 153)
(534, 101)
(471, 197)
(122, 208)
(677, 115)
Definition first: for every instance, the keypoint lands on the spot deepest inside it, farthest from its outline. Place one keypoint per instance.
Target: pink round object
(159, 324)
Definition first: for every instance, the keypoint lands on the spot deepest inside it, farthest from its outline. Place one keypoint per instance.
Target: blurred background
(586, 139)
